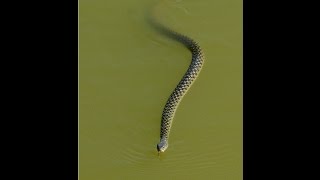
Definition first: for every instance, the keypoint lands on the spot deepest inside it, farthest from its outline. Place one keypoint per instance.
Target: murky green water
(128, 70)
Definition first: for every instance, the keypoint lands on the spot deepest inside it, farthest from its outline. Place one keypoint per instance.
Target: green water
(127, 71)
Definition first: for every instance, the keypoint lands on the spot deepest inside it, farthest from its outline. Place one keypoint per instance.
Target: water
(128, 70)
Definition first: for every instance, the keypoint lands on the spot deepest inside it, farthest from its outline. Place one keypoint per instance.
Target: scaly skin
(184, 84)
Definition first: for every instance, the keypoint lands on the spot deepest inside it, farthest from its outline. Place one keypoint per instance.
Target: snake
(197, 61)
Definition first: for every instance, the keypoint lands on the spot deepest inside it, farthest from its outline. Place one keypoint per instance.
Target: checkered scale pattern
(184, 84)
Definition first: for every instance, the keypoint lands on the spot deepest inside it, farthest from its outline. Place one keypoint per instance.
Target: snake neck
(164, 140)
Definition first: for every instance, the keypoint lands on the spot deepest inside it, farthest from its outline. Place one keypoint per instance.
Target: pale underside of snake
(184, 84)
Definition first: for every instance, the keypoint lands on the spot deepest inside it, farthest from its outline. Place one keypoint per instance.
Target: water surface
(127, 71)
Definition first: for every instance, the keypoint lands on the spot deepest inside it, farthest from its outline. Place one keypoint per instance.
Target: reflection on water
(127, 72)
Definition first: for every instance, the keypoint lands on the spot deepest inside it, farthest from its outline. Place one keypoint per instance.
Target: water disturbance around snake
(184, 84)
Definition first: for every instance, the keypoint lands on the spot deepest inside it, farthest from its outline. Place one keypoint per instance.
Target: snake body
(184, 84)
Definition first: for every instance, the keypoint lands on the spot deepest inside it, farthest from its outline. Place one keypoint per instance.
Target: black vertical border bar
(275, 35)
(245, 163)
(71, 63)
(258, 100)
(44, 87)
(248, 101)
(73, 94)
(246, 174)
(74, 91)
(66, 34)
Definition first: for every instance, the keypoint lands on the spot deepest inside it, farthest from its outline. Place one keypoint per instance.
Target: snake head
(162, 145)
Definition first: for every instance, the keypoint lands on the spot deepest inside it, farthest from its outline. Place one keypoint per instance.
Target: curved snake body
(184, 84)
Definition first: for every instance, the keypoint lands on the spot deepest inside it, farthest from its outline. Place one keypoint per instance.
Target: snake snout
(158, 148)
